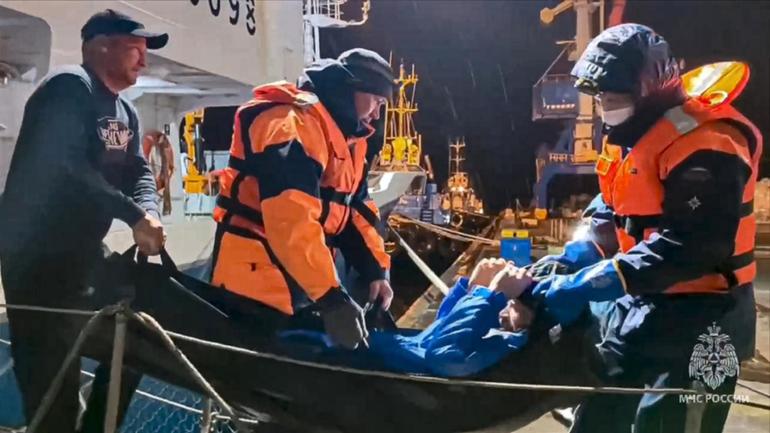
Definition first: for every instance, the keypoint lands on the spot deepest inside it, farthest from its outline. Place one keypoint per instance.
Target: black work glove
(545, 268)
(343, 319)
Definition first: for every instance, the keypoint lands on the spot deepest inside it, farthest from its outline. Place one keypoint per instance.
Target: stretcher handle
(379, 318)
(165, 259)
(167, 263)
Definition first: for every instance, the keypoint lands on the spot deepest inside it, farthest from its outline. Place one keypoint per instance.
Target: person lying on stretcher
(480, 322)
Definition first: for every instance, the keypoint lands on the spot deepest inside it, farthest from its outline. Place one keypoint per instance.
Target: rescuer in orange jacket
(671, 240)
(295, 188)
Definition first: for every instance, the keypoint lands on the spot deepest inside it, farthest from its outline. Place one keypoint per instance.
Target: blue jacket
(464, 339)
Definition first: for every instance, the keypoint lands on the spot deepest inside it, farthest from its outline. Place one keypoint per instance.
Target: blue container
(516, 249)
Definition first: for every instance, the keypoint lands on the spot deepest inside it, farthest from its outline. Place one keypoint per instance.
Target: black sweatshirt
(77, 165)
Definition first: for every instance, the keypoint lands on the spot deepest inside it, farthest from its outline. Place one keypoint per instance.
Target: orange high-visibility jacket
(293, 187)
(633, 186)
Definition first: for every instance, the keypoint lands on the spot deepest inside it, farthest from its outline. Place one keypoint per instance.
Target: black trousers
(40, 341)
(650, 341)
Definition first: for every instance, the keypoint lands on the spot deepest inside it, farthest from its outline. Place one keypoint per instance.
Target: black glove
(545, 268)
(343, 319)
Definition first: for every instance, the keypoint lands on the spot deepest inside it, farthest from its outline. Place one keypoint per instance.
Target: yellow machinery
(458, 196)
(195, 181)
(402, 147)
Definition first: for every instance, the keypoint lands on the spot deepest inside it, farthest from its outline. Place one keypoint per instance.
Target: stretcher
(262, 379)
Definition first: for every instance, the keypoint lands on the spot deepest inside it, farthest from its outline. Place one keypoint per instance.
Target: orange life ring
(155, 144)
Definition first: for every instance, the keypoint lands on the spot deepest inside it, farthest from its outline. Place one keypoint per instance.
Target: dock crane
(554, 97)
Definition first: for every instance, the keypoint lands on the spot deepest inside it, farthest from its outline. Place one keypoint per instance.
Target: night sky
(477, 62)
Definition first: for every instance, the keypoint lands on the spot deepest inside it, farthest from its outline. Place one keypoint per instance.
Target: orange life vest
(633, 185)
(275, 249)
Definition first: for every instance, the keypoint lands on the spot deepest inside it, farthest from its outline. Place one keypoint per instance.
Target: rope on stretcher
(119, 310)
(147, 320)
(444, 381)
(157, 398)
(152, 324)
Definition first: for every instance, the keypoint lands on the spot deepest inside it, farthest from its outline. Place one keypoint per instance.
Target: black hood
(333, 84)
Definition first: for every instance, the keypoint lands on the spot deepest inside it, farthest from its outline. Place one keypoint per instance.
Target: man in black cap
(295, 189)
(77, 166)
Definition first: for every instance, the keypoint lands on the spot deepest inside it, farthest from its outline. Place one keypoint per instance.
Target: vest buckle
(603, 165)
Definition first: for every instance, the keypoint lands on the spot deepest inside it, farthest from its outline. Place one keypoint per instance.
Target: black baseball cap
(110, 23)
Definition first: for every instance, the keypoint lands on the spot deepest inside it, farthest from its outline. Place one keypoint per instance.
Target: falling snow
(451, 102)
(502, 82)
(473, 76)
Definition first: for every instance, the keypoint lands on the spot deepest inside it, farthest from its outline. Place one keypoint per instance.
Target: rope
(754, 405)
(442, 228)
(452, 234)
(439, 229)
(150, 322)
(176, 404)
(71, 311)
(432, 379)
(763, 394)
(143, 318)
(436, 230)
(58, 380)
(421, 265)
(154, 397)
(447, 231)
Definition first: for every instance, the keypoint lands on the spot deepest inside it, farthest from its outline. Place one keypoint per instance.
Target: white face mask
(617, 116)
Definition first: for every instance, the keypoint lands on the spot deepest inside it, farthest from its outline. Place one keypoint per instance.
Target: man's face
(125, 59)
(515, 316)
(368, 106)
(616, 107)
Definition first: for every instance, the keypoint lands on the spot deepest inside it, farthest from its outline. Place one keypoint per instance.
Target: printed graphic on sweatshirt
(114, 134)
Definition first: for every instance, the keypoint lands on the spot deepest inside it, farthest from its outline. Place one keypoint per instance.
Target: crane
(554, 97)
(320, 14)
